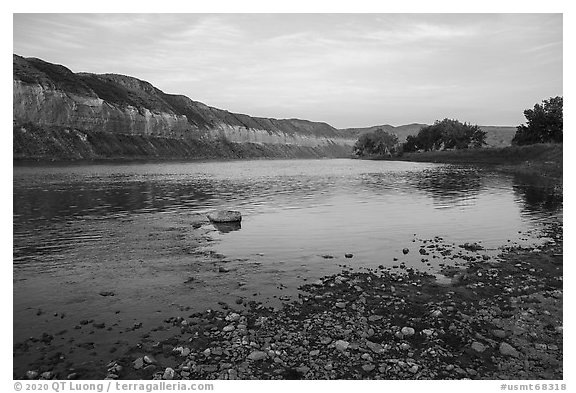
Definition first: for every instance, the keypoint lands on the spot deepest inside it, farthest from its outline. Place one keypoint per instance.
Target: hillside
(59, 114)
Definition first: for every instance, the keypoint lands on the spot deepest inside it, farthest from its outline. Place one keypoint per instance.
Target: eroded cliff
(59, 114)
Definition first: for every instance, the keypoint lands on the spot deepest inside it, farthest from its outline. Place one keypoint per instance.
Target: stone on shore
(257, 355)
(508, 350)
(407, 331)
(341, 345)
(478, 347)
(225, 216)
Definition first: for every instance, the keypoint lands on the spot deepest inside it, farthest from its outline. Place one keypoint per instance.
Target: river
(126, 244)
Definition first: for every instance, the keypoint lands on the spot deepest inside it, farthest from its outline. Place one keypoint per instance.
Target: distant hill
(496, 136)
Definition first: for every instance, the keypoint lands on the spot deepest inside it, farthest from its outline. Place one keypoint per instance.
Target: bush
(377, 143)
(544, 123)
(446, 134)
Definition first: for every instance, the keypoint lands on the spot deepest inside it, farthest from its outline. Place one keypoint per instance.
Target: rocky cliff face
(59, 114)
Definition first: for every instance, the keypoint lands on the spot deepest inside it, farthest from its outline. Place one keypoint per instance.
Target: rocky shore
(495, 318)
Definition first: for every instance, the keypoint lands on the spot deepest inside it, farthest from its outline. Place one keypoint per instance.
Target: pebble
(407, 331)
(257, 355)
(315, 352)
(303, 369)
(414, 369)
(436, 313)
(405, 251)
(374, 347)
(368, 367)
(31, 374)
(348, 255)
(478, 347)
(374, 318)
(149, 359)
(138, 363)
(228, 328)
(508, 350)
(427, 332)
(341, 345)
(450, 367)
(499, 333)
(168, 373)
(341, 305)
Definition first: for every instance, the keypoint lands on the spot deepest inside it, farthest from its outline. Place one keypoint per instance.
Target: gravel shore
(497, 318)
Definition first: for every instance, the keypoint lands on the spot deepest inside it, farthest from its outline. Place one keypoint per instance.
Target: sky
(349, 70)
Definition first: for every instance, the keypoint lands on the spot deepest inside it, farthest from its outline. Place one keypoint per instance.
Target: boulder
(220, 216)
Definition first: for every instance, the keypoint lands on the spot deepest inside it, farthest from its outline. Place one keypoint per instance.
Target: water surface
(132, 229)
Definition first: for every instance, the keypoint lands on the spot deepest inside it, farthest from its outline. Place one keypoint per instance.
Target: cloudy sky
(349, 70)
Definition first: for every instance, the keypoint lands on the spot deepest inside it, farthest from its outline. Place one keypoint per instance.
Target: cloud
(316, 64)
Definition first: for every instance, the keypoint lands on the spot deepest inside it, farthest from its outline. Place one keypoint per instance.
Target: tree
(377, 143)
(447, 134)
(544, 123)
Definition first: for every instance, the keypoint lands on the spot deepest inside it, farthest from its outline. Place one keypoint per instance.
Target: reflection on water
(81, 229)
(227, 227)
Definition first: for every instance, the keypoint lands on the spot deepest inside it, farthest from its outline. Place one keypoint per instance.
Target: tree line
(544, 125)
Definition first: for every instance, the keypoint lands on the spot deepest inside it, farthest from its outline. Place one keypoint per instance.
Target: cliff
(59, 114)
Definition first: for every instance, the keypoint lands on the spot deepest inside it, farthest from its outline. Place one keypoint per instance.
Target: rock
(341, 305)
(478, 347)
(327, 256)
(427, 332)
(341, 345)
(405, 251)
(368, 367)
(46, 375)
(508, 350)
(374, 347)
(499, 333)
(107, 293)
(138, 363)
(302, 369)
(450, 367)
(168, 373)
(257, 355)
(404, 346)
(228, 328)
(233, 317)
(222, 269)
(407, 331)
(31, 374)
(436, 313)
(315, 352)
(149, 359)
(374, 318)
(348, 255)
(414, 369)
(225, 216)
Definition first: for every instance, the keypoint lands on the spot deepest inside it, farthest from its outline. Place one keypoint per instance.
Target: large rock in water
(225, 216)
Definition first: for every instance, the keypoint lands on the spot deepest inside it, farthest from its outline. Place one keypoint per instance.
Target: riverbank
(497, 319)
(544, 159)
(483, 318)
